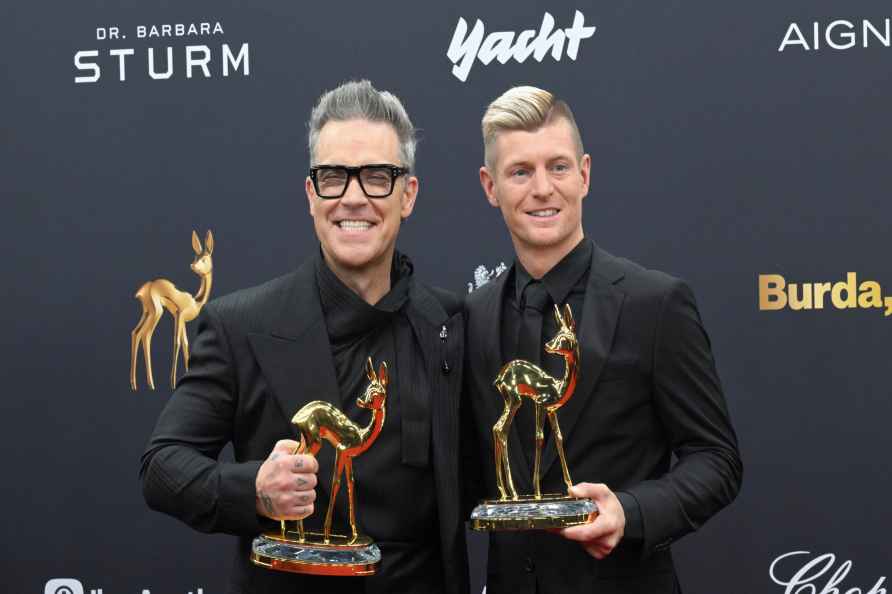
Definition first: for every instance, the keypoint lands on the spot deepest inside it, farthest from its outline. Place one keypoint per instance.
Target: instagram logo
(63, 586)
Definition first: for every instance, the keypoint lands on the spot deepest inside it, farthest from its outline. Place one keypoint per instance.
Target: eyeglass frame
(395, 172)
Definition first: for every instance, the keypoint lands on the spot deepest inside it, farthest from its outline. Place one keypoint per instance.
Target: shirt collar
(346, 314)
(563, 276)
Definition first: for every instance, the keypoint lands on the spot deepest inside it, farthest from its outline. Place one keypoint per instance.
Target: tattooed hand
(286, 483)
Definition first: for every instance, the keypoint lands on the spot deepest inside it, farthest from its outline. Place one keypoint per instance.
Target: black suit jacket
(647, 389)
(260, 354)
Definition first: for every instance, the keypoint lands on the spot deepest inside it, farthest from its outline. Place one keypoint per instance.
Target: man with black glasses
(264, 352)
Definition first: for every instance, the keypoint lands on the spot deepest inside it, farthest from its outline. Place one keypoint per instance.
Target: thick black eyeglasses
(376, 181)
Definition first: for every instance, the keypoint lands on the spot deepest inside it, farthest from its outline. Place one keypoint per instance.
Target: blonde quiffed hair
(524, 108)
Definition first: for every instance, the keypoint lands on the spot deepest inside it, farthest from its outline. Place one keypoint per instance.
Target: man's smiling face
(357, 232)
(538, 181)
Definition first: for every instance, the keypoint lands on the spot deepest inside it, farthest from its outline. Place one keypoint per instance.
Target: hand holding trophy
(519, 379)
(301, 551)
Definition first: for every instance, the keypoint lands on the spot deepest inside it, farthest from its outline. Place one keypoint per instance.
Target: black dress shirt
(565, 283)
(396, 501)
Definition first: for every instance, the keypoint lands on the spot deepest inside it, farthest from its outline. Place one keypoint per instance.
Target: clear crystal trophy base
(313, 556)
(530, 513)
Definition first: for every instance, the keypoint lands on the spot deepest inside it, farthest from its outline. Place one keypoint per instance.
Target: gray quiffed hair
(359, 100)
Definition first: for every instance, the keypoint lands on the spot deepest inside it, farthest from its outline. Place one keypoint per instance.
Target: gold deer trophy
(160, 294)
(519, 379)
(302, 551)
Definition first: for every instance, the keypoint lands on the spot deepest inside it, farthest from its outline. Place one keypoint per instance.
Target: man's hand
(286, 483)
(601, 536)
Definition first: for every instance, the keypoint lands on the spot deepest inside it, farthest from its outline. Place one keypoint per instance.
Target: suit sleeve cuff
(634, 530)
(238, 495)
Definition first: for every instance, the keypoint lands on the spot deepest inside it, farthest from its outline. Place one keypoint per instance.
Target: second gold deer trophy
(519, 380)
(300, 551)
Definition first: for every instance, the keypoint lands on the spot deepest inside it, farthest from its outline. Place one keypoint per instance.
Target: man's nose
(542, 186)
(353, 194)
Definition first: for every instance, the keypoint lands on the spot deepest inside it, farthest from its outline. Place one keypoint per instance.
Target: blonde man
(647, 386)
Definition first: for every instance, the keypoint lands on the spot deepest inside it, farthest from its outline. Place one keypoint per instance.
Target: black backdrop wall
(728, 141)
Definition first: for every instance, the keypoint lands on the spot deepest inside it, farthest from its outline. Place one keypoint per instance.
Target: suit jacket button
(529, 566)
(446, 368)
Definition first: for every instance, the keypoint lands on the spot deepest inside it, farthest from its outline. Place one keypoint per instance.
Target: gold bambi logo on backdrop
(519, 379)
(160, 294)
(330, 554)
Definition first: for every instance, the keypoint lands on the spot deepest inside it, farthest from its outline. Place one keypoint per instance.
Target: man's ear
(311, 195)
(489, 186)
(586, 171)
(408, 196)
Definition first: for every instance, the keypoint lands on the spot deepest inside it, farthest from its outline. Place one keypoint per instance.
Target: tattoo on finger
(267, 504)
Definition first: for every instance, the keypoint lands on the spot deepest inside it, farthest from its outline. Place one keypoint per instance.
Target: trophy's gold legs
(499, 449)
(147, 349)
(180, 343)
(540, 439)
(343, 464)
(500, 445)
(176, 350)
(184, 338)
(559, 444)
(335, 485)
(500, 481)
(352, 508)
(135, 338)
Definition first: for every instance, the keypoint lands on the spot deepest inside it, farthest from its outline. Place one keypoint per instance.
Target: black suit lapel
(491, 313)
(294, 355)
(441, 340)
(601, 308)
